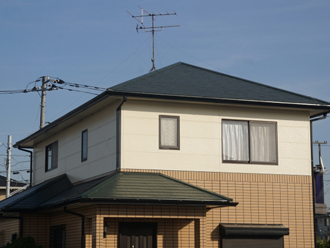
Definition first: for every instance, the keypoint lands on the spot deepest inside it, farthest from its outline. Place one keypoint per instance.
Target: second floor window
(169, 132)
(249, 142)
(84, 145)
(51, 156)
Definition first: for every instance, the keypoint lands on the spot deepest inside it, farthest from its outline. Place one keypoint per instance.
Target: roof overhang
(313, 109)
(87, 109)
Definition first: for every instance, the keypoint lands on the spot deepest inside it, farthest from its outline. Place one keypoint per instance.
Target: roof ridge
(100, 179)
(112, 177)
(194, 186)
(144, 76)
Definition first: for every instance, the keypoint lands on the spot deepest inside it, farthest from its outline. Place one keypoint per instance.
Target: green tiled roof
(118, 188)
(151, 186)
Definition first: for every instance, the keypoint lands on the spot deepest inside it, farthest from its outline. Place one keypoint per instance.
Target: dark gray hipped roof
(118, 188)
(184, 80)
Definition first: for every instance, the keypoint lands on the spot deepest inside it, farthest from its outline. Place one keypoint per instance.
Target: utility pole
(8, 162)
(43, 101)
(320, 167)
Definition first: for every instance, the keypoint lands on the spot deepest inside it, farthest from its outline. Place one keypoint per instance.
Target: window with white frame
(249, 141)
(51, 156)
(169, 132)
(84, 145)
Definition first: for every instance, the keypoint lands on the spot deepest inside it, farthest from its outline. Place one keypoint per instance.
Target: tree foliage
(321, 243)
(24, 242)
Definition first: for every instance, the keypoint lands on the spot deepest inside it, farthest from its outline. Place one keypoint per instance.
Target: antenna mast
(151, 29)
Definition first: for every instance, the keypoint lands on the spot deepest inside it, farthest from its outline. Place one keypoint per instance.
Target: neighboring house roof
(118, 188)
(13, 183)
(186, 82)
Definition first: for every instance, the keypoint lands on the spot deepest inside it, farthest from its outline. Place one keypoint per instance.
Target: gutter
(312, 173)
(83, 245)
(20, 222)
(222, 100)
(118, 133)
(20, 148)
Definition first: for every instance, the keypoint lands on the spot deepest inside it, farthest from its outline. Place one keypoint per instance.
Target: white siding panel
(101, 148)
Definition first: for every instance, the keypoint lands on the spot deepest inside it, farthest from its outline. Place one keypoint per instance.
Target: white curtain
(263, 142)
(235, 140)
(169, 131)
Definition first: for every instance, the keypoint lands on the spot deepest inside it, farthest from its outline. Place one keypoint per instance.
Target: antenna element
(151, 29)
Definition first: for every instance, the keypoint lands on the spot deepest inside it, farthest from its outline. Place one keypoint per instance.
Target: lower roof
(117, 188)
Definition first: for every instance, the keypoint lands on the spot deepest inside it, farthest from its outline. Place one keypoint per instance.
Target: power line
(77, 91)
(15, 155)
(51, 84)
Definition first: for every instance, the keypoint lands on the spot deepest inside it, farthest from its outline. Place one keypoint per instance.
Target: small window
(13, 236)
(84, 145)
(169, 132)
(249, 142)
(57, 236)
(51, 156)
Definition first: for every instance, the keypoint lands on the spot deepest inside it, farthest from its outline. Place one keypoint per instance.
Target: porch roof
(117, 188)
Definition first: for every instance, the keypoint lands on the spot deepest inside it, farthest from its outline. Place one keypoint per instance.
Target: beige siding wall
(8, 227)
(101, 148)
(2, 194)
(200, 138)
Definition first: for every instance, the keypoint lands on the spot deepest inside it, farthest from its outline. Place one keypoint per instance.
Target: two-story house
(180, 157)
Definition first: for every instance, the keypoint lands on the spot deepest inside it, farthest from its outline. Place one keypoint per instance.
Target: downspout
(20, 222)
(19, 148)
(312, 173)
(82, 225)
(118, 134)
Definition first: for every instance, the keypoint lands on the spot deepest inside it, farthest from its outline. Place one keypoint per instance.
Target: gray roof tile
(185, 80)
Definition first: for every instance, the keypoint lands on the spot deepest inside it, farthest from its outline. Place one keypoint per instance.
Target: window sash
(263, 142)
(84, 145)
(235, 143)
(169, 132)
(249, 142)
(51, 156)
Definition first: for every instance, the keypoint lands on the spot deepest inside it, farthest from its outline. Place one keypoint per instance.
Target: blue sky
(285, 44)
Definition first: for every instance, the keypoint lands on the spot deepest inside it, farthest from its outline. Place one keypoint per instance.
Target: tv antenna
(151, 29)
